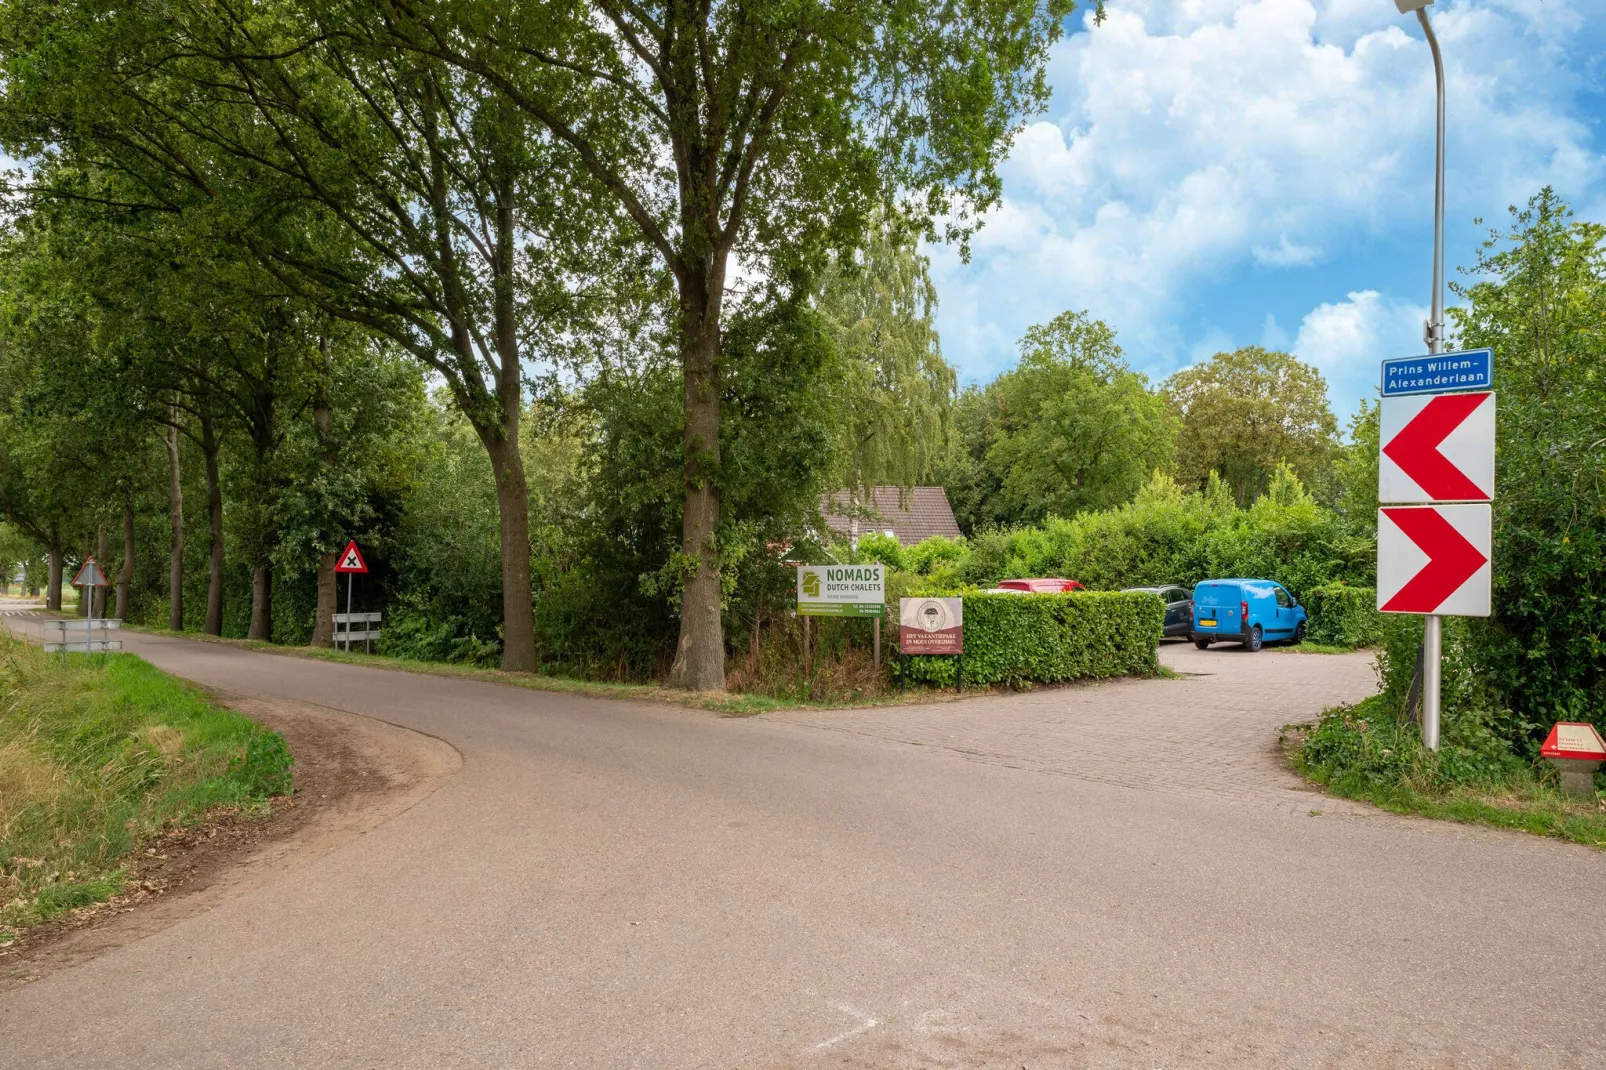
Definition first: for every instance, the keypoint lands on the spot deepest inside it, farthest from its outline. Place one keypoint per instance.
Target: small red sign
(1573, 739)
(931, 626)
(351, 559)
(90, 575)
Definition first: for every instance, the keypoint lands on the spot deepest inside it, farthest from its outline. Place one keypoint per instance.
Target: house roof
(911, 516)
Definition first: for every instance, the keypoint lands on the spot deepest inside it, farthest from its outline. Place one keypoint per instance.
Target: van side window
(1283, 599)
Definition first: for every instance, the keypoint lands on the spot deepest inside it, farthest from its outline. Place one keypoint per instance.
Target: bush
(939, 551)
(1343, 616)
(1051, 638)
(1362, 749)
(878, 548)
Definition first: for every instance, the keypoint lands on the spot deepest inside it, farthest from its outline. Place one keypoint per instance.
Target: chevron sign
(1434, 559)
(1437, 448)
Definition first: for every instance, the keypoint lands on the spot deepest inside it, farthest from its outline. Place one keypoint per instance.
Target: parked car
(1178, 609)
(1250, 612)
(1038, 585)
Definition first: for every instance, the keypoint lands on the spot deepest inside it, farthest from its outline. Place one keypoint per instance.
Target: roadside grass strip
(98, 755)
(730, 703)
(1364, 752)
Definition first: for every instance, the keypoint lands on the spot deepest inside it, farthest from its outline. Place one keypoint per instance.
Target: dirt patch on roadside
(352, 774)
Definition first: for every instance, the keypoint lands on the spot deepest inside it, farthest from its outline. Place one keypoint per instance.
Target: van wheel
(1299, 633)
(1202, 644)
(1253, 642)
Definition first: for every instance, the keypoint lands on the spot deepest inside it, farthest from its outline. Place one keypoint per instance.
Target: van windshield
(1217, 594)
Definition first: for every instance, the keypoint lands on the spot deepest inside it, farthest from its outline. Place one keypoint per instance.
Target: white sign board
(1434, 559)
(841, 590)
(1437, 448)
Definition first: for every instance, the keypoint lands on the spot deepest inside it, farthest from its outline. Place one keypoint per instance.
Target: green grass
(99, 754)
(730, 703)
(1308, 647)
(1361, 752)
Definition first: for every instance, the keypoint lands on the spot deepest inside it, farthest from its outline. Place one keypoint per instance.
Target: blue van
(1245, 611)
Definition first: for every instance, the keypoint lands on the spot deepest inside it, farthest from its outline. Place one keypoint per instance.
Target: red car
(1039, 585)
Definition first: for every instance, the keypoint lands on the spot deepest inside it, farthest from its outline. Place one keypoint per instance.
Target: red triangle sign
(351, 559)
(90, 575)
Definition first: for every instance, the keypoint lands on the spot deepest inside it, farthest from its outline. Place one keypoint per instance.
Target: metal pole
(349, 577)
(878, 642)
(1433, 625)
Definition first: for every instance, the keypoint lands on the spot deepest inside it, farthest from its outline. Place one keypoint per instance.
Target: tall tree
(1072, 427)
(770, 129)
(894, 393)
(1243, 413)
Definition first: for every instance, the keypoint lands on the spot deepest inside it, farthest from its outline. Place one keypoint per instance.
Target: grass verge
(1363, 752)
(99, 754)
(730, 703)
(1308, 647)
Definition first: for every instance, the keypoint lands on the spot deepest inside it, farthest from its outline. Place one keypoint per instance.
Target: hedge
(1049, 638)
(1343, 616)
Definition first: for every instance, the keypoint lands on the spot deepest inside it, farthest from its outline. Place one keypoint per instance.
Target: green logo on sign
(811, 584)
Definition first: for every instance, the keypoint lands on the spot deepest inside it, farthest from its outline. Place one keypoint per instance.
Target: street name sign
(1576, 740)
(931, 626)
(841, 590)
(1434, 559)
(1439, 373)
(1437, 448)
(351, 559)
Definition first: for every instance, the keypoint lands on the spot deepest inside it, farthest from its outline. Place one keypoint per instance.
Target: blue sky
(1216, 173)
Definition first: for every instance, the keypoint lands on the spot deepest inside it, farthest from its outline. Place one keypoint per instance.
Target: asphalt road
(610, 884)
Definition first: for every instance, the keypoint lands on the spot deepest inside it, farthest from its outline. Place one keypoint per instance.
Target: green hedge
(1343, 616)
(1049, 638)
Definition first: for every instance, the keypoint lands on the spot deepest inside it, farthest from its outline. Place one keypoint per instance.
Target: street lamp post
(1432, 624)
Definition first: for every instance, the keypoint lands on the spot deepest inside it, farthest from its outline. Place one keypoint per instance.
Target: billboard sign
(931, 626)
(841, 590)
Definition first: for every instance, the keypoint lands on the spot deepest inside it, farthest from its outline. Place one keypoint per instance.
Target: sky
(1217, 173)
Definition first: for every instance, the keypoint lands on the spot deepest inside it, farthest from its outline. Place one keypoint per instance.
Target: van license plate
(1208, 623)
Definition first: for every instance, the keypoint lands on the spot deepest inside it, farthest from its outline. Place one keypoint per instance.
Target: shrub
(885, 549)
(934, 553)
(1051, 638)
(1343, 616)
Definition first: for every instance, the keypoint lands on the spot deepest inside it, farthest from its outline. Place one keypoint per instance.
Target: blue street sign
(1440, 373)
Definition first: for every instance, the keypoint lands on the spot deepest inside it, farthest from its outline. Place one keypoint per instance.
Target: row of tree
(479, 187)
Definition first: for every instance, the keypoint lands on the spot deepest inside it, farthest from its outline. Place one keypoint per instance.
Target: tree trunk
(512, 491)
(175, 519)
(213, 624)
(700, 654)
(513, 508)
(323, 621)
(125, 574)
(261, 604)
(103, 553)
(323, 627)
(53, 578)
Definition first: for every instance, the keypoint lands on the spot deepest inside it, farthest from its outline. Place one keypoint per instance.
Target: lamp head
(1408, 6)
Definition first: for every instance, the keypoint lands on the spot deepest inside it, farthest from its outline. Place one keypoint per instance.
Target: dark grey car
(1178, 609)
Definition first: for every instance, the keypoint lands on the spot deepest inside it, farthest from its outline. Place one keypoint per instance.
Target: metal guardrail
(81, 636)
(344, 636)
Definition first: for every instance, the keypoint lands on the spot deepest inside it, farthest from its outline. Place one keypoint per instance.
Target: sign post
(352, 564)
(89, 577)
(841, 591)
(1435, 480)
(1576, 750)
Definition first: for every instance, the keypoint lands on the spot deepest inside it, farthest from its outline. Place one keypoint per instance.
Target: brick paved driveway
(1211, 734)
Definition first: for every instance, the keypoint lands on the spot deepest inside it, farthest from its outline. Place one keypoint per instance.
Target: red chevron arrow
(1451, 560)
(1416, 448)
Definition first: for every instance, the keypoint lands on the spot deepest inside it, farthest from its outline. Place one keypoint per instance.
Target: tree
(1539, 300)
(381, 186)
(1243, 413)
(1071, 428)
(781, 126)
(895, 393)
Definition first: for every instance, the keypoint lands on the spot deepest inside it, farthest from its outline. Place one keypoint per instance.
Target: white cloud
(1348, 340)
(1191, 141)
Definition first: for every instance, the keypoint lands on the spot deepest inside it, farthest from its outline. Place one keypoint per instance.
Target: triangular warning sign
(90, 575)
(351, 559)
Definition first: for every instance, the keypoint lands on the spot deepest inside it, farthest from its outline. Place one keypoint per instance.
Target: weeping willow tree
(894, 391)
